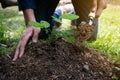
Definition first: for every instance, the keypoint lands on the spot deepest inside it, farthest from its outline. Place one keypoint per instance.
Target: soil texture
(84, 31)
(58, 60)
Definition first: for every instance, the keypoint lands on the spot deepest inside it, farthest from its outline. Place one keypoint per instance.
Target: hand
(30, 32)
(98, 6)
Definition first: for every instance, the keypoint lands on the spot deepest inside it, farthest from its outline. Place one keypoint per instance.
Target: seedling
(69, 16)
(45, 24)
(66, 16)
(41, 24)
(57, 19)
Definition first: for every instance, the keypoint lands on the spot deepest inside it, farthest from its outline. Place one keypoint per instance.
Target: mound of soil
(58, 60)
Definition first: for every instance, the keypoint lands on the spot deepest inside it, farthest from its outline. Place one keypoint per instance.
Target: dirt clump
(58, 60)
(84, 31)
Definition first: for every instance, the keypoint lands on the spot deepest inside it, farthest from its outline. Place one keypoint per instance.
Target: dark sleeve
(26, 4)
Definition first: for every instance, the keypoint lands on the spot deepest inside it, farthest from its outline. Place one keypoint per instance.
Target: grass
(11, 27)
(108, 37)
(108, 41)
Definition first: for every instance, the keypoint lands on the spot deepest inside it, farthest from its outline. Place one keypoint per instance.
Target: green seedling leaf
(57, 19)
(42, 24)
(69, 16)
(35, 24)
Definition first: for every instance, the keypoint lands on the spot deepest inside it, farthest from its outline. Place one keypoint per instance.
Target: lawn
(12, 26)
(108, 40)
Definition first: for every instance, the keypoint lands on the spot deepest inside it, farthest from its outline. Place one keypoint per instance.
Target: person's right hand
(30, 32)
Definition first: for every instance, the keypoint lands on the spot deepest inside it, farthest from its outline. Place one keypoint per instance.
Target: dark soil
(58, 60)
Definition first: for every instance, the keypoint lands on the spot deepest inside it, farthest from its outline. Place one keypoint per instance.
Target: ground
(58, 60)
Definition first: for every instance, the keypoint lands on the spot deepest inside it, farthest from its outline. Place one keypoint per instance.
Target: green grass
(11, 28)
(108, 41)
(11, 24)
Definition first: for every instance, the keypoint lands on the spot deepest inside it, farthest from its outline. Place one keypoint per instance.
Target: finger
(22, 49)
(17, 52)
(16, 55)
(25, 39)
(35, 35)
(98, 12)
(22, 43)
(93, 9)
(94, 6)
(100, 7)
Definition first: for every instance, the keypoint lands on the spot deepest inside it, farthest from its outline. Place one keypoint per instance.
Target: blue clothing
(57, 13)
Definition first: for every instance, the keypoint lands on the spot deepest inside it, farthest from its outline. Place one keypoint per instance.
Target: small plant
(69, 16)
(42, 24)
(45, 24)
(66, 16)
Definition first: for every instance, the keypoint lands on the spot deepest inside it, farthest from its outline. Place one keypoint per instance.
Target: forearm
(28, 16)
(27, 6)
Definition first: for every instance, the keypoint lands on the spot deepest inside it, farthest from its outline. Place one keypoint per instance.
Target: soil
(58, 60)
(84, 31)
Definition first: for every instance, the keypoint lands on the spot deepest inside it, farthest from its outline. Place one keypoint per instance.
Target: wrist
(29, 16)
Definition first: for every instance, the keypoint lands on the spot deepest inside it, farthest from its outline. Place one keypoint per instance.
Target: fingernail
(20, 56)
(14, 59)
(34, 41)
